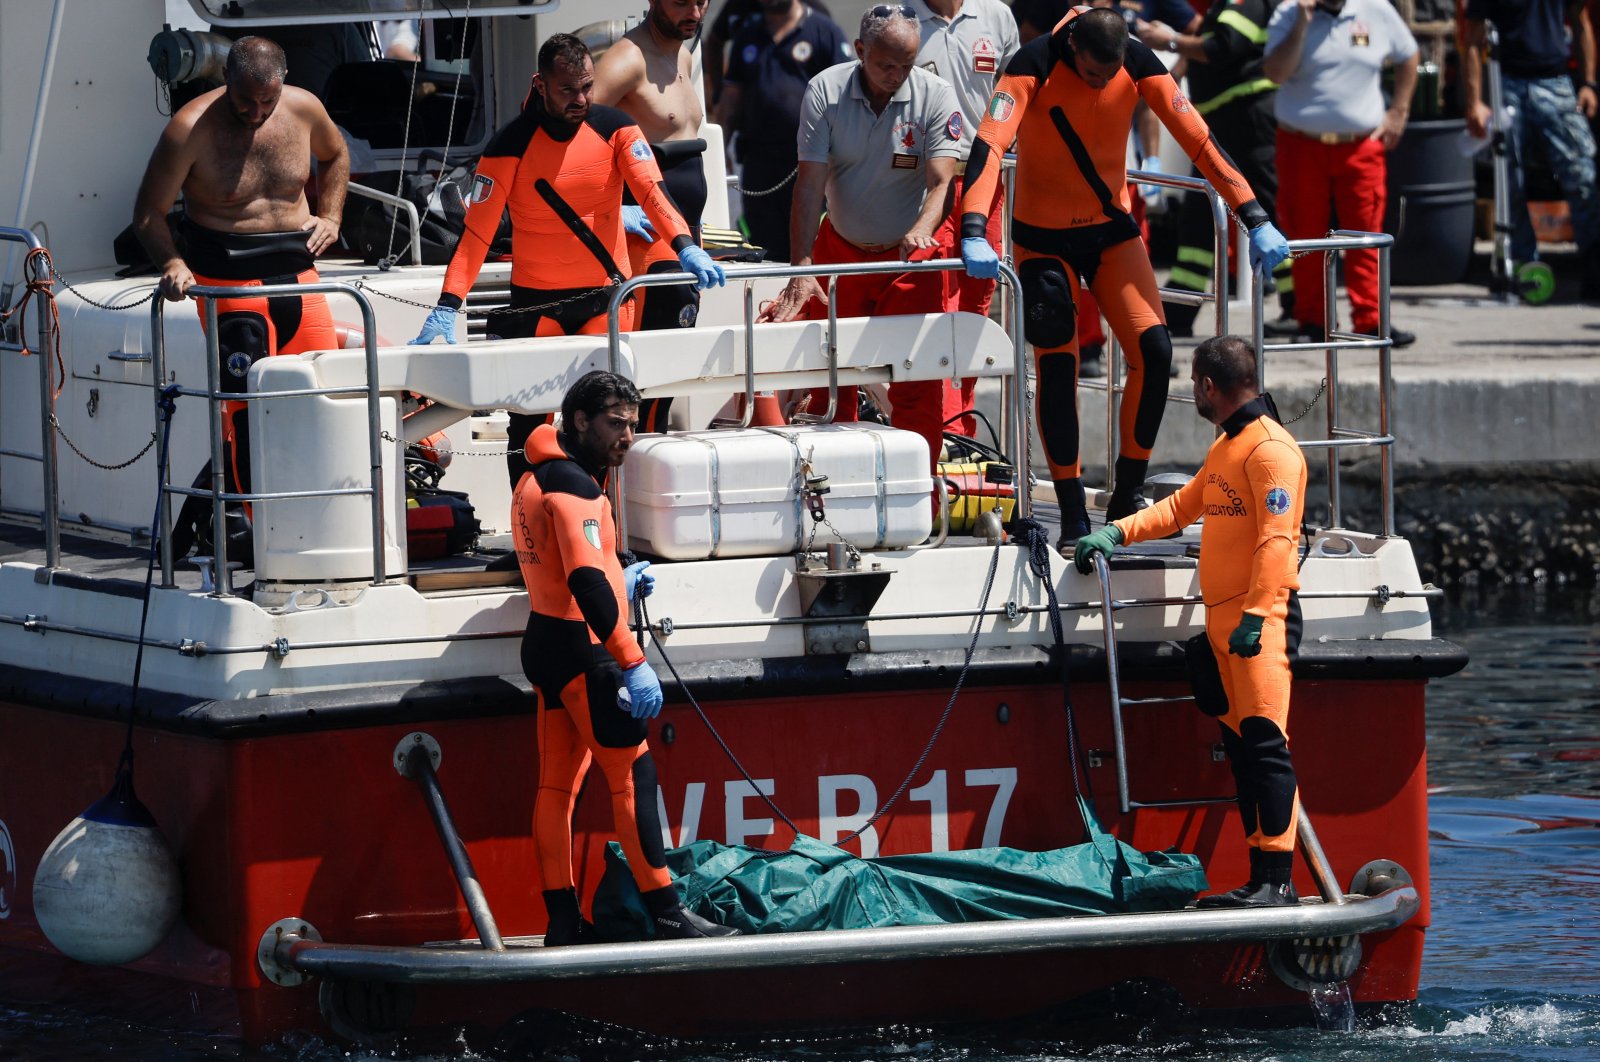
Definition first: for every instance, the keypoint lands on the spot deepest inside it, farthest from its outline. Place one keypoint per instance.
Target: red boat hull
(318, 825)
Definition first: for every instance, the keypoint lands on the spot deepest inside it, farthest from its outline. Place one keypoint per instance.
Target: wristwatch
(1172, 45)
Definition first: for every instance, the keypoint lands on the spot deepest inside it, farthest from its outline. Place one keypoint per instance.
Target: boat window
(266, 12)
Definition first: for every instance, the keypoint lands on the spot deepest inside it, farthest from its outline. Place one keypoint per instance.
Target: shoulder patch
(640, 150)
(591, 531)
(482, 189)
(1001, 104)
(1277, 501)
(952, 128)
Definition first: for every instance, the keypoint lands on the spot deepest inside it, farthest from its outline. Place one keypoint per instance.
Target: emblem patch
(1001, 105)
(688, 315)
(238, 364)
(1277, 501)
(954, 126)
(640, 150)
(591, 531)
(482, 189)
(750, 53)
(801, 51)
(985, 60)
(1180, 102)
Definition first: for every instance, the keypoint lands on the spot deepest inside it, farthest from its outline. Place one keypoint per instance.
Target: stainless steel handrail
(50, 517)
(404, 204)
(749, 273)
(220, 496)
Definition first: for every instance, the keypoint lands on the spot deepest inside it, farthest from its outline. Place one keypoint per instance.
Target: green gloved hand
(1103, 541)
(1246, 637)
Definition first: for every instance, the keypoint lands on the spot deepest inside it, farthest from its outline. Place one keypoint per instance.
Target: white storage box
(732, 493)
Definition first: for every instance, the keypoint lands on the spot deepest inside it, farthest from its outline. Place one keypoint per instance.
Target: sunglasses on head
(885, 10)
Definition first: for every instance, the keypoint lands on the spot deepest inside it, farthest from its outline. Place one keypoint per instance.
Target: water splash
(1331, 1003)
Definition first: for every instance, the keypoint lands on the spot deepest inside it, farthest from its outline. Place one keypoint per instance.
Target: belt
(1327, 138)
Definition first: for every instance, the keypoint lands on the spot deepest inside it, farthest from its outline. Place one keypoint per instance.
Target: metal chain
(54, 272)
(500, 311)
(775, 188)
(59, 430)
(1321, 390)
(387, 437)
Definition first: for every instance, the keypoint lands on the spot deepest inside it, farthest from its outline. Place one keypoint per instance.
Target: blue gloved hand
(638, 582)
(707, 273)
(640, 694)
(1267, 247)
(1104, 541)
(1151, 192)
(636, 223)
(441, 323)
(979, 258)
(1246, 637)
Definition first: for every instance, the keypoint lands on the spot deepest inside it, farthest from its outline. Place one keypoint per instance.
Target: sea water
(1512, 965)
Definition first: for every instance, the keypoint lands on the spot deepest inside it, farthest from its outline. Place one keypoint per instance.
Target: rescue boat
(335, 748)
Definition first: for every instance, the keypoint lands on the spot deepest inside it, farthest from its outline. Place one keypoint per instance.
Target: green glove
(1103, 541)
(1246, 637)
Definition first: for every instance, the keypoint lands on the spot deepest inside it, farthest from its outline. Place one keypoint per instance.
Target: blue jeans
(1547, 108)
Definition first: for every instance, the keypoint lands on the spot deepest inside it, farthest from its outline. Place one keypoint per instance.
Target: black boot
(1127, 496)
(1269, 884)
(1074, 514)
(567, 924)
(673, 922)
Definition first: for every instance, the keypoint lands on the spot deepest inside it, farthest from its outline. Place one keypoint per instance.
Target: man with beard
(648, 75)
(241, 155)
(1251, 492)
(597, 692)
(561, 166)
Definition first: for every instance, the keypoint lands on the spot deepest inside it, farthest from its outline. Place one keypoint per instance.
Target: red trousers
(1315, 179)
(918, 404)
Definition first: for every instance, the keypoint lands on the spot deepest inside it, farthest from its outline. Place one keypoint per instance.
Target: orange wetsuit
(249, 328)
(1251, 491)
(1072, 218)
(575, 648)
(563, 184)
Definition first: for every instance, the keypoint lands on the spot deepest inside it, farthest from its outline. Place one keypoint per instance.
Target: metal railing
(402, 204)
(748, 274)
(50, 514)
(217, 400)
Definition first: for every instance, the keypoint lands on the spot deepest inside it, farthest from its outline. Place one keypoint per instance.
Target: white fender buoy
(107, 890)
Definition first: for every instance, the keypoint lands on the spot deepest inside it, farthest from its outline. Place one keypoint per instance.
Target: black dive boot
(1074, 515)
(673, 922)
(1269, 884)
(567, 924)
(1127, 496)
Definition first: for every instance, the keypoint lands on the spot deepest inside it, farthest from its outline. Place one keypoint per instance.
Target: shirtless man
(241, 156)
(648, 76)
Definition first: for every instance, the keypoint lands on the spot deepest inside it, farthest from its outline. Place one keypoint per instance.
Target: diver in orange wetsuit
(560, 167)
(596, 690)
(1067, 99)
(1251, 491)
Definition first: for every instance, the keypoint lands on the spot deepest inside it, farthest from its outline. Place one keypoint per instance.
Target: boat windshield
(277, 12)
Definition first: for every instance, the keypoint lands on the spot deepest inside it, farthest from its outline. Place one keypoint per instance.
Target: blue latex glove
(979, 258)
(640, 695)
(707, 273)
(1151, 192)
(441, 324)
(1246, 637)
(1104, 541)
(1267, 247)
(638, 582)
(636, 223)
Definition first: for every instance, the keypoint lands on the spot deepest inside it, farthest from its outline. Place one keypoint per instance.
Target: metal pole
(1008, 316)
(35, 136)
(1219, 264)
(1258, 326)
(158, 379)
(1385, 388)
(1019, 393)
(219, 525)
(47, 430)
(1317, 860)
(419, 768)
(369, 328)
(1102, 569)
(1330, 302)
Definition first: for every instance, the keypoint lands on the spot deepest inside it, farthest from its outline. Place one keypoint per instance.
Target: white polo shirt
(877, 163)
(1337, 87)
(969, 51)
